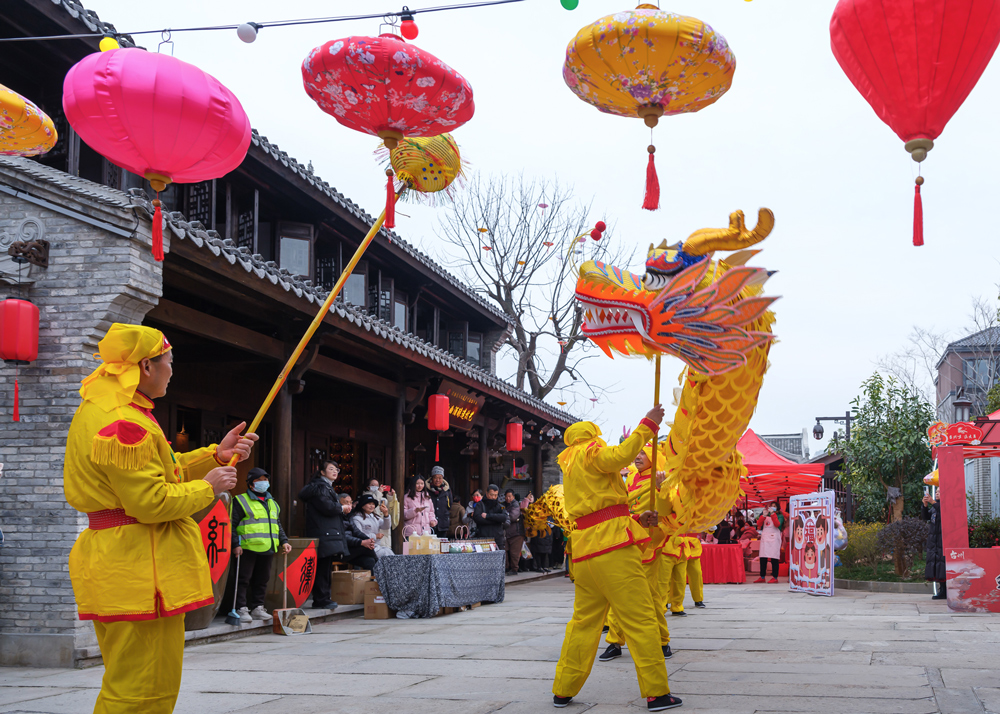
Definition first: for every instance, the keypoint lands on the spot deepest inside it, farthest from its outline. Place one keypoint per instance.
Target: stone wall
(100, 271)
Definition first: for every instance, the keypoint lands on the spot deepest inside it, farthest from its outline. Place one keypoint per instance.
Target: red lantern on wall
(915, 63)
(438, 418)
(18, 337)
(515, 435)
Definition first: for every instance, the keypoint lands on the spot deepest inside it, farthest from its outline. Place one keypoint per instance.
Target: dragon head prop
(687, 304)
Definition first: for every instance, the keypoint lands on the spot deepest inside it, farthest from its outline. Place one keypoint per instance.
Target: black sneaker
(699, 604)
(679, 613)
(612, 652)
(604, 629)
(667, 654)
(560, 702)
(658, 704)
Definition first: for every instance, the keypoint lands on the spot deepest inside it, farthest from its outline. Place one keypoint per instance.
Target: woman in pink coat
(418, 509)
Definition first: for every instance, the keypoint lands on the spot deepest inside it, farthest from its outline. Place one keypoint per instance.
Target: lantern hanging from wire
(438, 418)
(18, 338)
(387, 88)
(158, 117)
(647, 63)
(515, 435)
(25, 130)
(429, 168)
(915, 63)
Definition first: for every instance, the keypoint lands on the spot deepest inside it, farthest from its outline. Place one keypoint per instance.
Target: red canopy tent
(771, 476)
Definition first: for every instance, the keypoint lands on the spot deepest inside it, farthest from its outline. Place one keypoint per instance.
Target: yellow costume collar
(113, 384)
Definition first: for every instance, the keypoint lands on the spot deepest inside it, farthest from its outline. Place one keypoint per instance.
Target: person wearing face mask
(770, 525)
(257, 536)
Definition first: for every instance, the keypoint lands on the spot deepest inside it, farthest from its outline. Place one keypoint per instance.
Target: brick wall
(95, 277)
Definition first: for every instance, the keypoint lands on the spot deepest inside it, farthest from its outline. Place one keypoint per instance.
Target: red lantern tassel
(918, 214)
(17, 411)
(652, 200)
(390, 201)
(157, 231)
(437, 450)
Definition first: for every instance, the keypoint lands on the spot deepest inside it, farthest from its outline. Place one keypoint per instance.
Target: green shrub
(862, 546)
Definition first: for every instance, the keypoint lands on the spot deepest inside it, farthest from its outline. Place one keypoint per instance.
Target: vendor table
(722, 563)
(423, 584)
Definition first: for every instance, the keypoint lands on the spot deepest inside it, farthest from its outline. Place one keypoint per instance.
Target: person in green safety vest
(257, 536)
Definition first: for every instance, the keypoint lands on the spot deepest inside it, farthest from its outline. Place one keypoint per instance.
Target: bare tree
(915, 365)
(515, 241)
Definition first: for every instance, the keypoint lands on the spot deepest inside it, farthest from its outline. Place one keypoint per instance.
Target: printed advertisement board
(810, 544)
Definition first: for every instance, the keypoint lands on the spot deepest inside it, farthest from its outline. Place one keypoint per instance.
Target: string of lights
(405, 14)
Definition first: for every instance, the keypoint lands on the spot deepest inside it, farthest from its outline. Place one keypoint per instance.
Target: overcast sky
(792, 134)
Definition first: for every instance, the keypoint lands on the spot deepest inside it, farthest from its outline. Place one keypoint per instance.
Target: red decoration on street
(157, 117)
(915, 63)
(651, 201)
(515, 435)
(408, 28)
(437, 412)
(18, 339)
(217, 536)
(390, 201)
(300, 574)
(963, 432)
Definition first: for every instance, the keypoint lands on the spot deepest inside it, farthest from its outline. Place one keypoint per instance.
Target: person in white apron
(770, 526)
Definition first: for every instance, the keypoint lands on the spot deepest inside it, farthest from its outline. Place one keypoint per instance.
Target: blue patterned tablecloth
(423, 584)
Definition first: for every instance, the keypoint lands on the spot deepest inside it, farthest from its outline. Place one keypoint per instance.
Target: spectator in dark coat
(513, 531)
(490, 517)
(360, 548)
(558, 547)
(442, 497)
(724, 532)
(541, 548)
(325, 522)
(934, 570)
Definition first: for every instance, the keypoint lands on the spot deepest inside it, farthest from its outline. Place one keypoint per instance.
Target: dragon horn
(736, 237)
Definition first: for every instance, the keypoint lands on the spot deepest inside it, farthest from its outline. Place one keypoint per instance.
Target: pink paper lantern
(157, 117)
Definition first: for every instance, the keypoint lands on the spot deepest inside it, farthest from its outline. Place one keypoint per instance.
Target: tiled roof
(212, 242)
(92, 21)
(989, 338)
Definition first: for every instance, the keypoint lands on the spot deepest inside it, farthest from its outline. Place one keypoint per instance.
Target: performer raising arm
(607, 566)
(140, 565)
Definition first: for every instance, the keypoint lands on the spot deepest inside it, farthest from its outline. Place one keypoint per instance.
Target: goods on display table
(722, 563)
(432, 545)
(810, 554)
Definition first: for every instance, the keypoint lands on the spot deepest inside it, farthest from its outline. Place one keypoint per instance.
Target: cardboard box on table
(347, 587)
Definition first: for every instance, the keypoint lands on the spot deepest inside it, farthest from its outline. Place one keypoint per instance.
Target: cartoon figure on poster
(810, 558)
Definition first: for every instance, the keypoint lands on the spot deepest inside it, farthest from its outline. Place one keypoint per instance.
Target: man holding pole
(140, 565)
(607, 566)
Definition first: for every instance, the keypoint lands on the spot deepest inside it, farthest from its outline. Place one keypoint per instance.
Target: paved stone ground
(757, 648)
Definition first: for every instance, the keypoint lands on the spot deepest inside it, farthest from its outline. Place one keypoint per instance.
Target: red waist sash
(110, 518)
(605, 514)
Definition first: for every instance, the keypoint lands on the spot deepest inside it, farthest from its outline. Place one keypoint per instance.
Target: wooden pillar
(484, 458)
(399, 465)
(283, 455)
(538, 469)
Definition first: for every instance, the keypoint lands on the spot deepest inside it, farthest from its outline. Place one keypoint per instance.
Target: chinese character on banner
(215, 536)
(300, 574)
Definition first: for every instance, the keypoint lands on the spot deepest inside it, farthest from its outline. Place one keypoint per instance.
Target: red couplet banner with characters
(215, 536)
(810, 551)
(301, 574)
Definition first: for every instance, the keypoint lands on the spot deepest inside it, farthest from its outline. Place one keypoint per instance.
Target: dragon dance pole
(656, 400)
(317, 321)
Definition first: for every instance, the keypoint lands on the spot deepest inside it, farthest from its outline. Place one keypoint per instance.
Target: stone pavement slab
(754, 650)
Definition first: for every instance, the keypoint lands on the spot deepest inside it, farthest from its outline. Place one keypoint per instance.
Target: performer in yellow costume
(637, 486)
(682, 556)
(607, 566)
(140, 565)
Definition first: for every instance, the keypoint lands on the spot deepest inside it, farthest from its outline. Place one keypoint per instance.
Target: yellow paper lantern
(427, 166)
(25, 130)
(647, 63)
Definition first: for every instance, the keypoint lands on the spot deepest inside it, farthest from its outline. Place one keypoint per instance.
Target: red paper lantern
(388, 88)
(515, 435)
(437, 412)
(157, 117)
(18, 338)
(915, 63)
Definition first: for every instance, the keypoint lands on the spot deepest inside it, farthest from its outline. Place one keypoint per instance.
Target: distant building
(794, 447)
(968, 368)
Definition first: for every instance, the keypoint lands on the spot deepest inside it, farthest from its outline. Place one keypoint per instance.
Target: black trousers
(361, 558)
(542, 560)
(321, 588)
(251, 585)
(763, 566)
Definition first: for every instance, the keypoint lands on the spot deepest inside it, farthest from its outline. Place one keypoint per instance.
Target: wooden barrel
(300, 575)
(216, 536)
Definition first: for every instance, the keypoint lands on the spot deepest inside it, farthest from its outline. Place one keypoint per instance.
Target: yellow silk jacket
(155, 568)
(593, 482)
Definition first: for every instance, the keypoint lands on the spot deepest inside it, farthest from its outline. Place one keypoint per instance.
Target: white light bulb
(247, 31)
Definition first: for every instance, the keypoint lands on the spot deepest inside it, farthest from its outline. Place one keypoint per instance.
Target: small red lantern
(408, 28)
(437, 412)
(515, 435)
(18, 337)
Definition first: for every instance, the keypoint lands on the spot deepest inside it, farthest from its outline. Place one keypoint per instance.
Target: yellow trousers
(615, 634)
(142, 665)
(615, 579)
(686, 573)
(673, 574)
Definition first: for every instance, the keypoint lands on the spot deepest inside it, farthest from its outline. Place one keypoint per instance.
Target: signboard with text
(964, 432)
(463, 406)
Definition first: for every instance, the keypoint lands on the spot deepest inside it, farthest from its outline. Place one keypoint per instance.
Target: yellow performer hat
(113, 384)
(579, 437)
